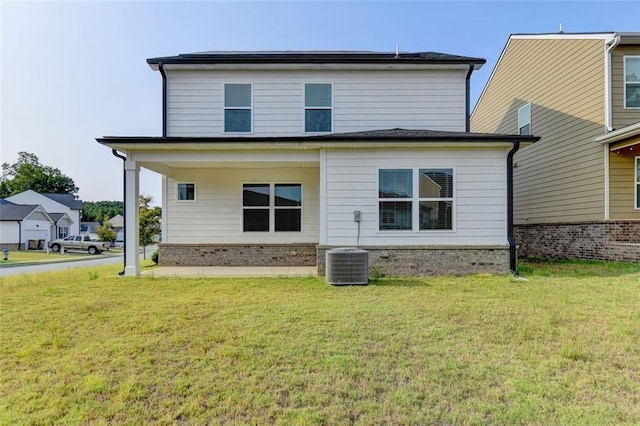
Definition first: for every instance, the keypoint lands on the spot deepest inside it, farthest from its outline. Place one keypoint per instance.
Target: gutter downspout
(608, 113)
(608, 118)
(513, 254)
(164, 99)
(124, 210)
(19, 235)
(467, 112)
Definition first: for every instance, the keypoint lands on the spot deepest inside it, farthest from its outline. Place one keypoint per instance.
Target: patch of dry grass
(86, 346)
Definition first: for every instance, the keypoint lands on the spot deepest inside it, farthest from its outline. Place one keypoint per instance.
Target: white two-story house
(272, 158)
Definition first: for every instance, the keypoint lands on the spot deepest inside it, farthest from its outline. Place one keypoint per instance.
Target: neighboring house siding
(560, 178)
(622, 187)
(216, 215)
(621, 117)
(362, 100)
(9, 232)
(480, 188)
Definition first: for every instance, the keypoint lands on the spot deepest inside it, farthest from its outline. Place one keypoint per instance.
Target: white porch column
(132, 190)
(323, 197)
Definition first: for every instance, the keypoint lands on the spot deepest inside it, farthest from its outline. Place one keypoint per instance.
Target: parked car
(118, 243)
(78, 242)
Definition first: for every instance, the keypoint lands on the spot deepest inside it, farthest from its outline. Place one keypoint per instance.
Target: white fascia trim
(620, 134)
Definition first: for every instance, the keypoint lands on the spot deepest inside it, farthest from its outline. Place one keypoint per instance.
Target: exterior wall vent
(347, 266)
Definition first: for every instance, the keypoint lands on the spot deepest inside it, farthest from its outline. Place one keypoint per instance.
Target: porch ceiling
(627, 148)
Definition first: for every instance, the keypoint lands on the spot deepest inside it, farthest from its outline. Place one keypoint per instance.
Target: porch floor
(232, 271)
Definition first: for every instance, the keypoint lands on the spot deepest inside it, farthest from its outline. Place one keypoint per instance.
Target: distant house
(25, 226)
(54, 203)
(117, 221)
(273, 158)
(90, 229)
(577, 191)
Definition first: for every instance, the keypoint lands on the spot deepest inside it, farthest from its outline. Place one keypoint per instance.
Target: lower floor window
(272, 207)
(415, 199)
(63, 231)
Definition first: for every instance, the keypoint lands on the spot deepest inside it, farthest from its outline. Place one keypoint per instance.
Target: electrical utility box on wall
(347, 266)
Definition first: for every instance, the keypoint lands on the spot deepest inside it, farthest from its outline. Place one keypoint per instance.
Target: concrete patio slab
(231, 271)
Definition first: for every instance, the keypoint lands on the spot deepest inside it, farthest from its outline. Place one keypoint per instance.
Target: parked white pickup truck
(78, 242)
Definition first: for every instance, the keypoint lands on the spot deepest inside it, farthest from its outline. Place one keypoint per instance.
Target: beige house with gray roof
(577, 191)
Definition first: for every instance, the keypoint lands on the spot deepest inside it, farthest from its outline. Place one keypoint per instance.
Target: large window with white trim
(63, 232)
(637, 182)
(272, 207)
(317, 107)
(415, 199)
(237, 108)
(524, 120)
(632, 81)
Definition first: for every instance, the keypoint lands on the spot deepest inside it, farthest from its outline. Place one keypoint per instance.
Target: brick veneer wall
(617, 240)
(430, 260)
(237, 254)
(11, 246)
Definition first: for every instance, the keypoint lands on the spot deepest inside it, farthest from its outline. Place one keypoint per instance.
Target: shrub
(154, 257)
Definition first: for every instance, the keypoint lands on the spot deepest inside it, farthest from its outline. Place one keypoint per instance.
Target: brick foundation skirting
(11, 246)
(430, 260)
(614, 240)
(237, 254)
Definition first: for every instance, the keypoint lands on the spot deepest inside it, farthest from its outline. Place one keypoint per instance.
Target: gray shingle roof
(313, 56)
(14, 212)
(68, 200)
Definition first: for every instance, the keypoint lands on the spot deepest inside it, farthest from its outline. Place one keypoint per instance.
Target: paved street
(63, 266)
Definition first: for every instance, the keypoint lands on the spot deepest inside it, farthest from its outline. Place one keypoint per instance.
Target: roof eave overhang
(207, 144)
(318, 66)
(630, 131)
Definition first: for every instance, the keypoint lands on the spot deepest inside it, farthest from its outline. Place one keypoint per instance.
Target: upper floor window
(632, 81)
(415, 200)
(317, 107)
(271, 207)
(237, 108)
(524, 120)
(186, 192)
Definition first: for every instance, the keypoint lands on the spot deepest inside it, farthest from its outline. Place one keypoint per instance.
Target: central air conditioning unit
(347, 266)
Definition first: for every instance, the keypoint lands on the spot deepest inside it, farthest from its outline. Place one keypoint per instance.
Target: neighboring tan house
(577, 191)
(272, 158)
(54, 203)
(24, 226)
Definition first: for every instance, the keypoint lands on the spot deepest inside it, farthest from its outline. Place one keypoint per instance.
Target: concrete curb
(45, 262)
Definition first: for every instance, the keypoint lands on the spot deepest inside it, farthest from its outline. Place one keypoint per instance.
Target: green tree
(93, 211)
(149, 221)
(106, 232)
(27, 173)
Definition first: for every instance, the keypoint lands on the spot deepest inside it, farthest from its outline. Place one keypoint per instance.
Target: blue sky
(74, 71)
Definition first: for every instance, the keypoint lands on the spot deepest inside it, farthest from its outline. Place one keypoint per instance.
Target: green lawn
(21, 256)
(87, 347)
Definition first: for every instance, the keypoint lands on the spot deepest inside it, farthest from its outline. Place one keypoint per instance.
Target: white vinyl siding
(480, 196)
(217, 216)
(362, 100)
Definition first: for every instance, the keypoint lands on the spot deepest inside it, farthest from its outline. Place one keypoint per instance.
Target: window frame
(62, 235)
(225, 108)
(625, 82)
(521, 125)
(416, 199)
(272, 207)
(195, 192)
(637, 183)
(305, 108)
